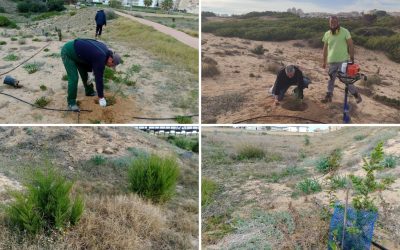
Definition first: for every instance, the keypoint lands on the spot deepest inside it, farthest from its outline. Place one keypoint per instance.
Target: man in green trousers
(83, 56)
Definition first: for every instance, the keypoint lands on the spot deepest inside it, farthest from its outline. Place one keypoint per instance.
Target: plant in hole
(11, 57)
(42, 102)
(32, 67)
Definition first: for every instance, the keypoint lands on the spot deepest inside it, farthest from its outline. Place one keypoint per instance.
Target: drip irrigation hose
(279, 116)
(29, 58)
(162, 119)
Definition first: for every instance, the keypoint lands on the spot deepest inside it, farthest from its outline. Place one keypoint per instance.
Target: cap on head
(116, 59)
(290, 69)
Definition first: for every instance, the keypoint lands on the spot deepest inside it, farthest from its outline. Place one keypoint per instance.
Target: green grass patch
(249, 152)
(187, 143)
(154, 177)
(7, 23)
(45, 204)
(286, 172)
(389, 161)
(184, 119)
(339, 182)
(309, 186)
(43, 87)
(218, 226)
(208, 188)
(3, 42)
(11, 57)
(46, 15)
(14, 39)
(32, 67)
(359, 137)
(98, 160)
(42, 102)
(162, 46)
(330, 162)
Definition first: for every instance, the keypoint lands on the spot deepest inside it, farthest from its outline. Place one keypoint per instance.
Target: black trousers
(99, 29)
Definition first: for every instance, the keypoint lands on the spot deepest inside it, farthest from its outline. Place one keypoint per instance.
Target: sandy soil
(178, 35)
(241, 91)
(149, 97)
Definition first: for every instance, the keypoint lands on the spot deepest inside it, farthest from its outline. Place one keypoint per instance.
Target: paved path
(178, 35)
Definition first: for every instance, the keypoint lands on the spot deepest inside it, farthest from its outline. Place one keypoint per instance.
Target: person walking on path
(101, 20)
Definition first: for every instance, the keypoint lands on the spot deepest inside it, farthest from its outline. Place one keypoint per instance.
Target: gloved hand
(103, 102)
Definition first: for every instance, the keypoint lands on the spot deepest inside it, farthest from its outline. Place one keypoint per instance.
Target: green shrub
(3, 42)
(154, 177)
(306, 140)
(42, 102)
(45, 204)
(208, 188)
(32, 67)
(110, 14)
(2, 10)
(258, 50)
(45, 15)
(184, 119)
(11, 57)
(247, 152)
(330, 163)
(309, 186)
(14, 39)
(339, 182)
(286, 172)
(98, 160)
(5, 22)
(389, 161)
(64, 77)
(359, 137)
(22, 41)
(43, 87)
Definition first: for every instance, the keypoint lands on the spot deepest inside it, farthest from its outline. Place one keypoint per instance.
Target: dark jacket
(283, 82)
(93, 54)
(101, 18)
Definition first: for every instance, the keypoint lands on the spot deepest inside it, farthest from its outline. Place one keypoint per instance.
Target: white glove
(103, 102)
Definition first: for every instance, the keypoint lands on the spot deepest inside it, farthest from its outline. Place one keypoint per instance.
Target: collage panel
(300, 62)
(91, 62)
(300, 187)
(99, 187)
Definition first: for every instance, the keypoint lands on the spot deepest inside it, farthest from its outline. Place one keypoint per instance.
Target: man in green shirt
(338, 49)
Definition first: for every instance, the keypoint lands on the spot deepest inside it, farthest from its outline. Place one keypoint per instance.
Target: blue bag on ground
(359, 228)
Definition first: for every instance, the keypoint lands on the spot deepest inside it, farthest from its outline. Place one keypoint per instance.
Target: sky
(330, 6)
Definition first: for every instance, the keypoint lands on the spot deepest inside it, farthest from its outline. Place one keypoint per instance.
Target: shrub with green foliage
(45, 204)
(11, 57)
(208, 188)
(359, 137)
(389, 161)
(364, 186)
(330, 163)
(248, 152)
(306, 140)
(154, 177)
(98, 160)
(338, 182)
(187, 143)
(32, 67)
(5, 22)
(309, 186)
(39, 6)
(42, 102)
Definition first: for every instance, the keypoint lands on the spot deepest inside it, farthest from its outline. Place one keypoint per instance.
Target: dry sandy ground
(147, 98)
(241, 91)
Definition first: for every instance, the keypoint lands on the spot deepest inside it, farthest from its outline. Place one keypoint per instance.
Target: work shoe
(74, 108)
(92, 94)
(328, 98)
(358, 97)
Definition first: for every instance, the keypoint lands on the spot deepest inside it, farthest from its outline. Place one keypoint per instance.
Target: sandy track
(178, 35)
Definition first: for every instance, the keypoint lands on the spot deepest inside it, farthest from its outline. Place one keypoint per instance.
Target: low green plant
(3, 42)
(330, 163)
(45, 204)
(36, 40)
(64, 77)
(307, 140)
(42, 102)
(338, 182)
(43, 87)
(46, 50)
(186, 143)
(309, 186)
(389, 161)
(359, 137)
(14, 39)
(183, 119)
(53, 55)
(11, 57)
(247, 152)
(258, 50)
(22, 41)
(286, 172)
(154, 177)
(32, 67)
(5, 22)
(208, 188)
(98, 160)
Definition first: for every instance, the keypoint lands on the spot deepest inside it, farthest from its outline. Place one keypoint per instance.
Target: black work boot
(328, 98)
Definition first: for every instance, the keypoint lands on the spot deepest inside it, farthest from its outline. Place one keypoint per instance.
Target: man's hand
(103, 102)
(276, 101)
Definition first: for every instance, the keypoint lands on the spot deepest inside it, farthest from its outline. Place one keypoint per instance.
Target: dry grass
(273, 67)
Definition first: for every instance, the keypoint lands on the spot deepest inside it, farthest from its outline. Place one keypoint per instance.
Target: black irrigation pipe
(280, 116)
(29, 58)
(379, 246)
(162, 119)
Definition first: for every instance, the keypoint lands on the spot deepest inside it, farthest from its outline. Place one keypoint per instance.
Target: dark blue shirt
(101, 18)
(93, 54)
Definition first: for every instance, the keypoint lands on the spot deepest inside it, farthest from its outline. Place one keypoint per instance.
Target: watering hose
(280, 116)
